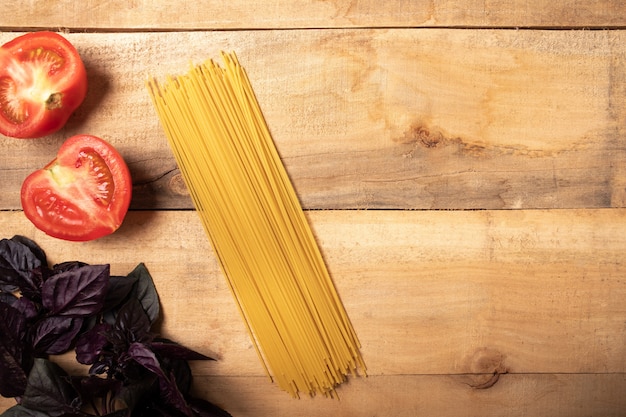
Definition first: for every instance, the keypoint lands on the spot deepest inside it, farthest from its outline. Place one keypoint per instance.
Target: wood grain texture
(379, 119)
(240, 14)
(433, 395)
(408, 109)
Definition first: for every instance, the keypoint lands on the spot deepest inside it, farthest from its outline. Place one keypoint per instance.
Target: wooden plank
(263, 14)
(514, 395)
(392, 118)
(445, 396)
(428, 292)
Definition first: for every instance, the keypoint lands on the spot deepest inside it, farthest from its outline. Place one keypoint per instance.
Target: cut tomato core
(30, 83)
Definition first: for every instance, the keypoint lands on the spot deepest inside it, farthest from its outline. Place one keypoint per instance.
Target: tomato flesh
(42, 82)
(81, 195)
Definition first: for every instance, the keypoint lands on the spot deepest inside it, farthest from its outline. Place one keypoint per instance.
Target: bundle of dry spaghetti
(257, 227)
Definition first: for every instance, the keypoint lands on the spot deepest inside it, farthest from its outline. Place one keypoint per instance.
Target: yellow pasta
(254, 220)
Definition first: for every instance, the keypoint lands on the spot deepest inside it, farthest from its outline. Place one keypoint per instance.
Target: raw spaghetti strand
(253, 218)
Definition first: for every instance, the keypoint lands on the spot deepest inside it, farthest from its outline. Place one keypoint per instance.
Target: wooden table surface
(462, 165)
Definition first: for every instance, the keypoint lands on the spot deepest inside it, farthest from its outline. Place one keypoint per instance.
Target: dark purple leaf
(34, 248)
(115, 315)
(169, 392)
(12, 376)
(95, 387)
(145, 291)
(119, 289)
(67, 266)
(151, 407)
(17, 263)
(146, 358)
(12, 322)
(27, 308)
(180, 372)
(133, 322)
(174, 350)
(21, 411)
(133, 394)
(172, 395)
(77, 292)
(49, 390)
(90, 344)
(12, 333)
(7, 298)
(55, 335)
(109, 315)
(118, 413)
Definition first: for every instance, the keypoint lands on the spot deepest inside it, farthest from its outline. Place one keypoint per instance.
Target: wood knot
(485, 367)
(176, 185)
(420, 134)
(427, 138)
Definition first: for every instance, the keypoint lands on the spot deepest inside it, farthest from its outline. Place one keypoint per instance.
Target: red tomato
(81, 195)
(42, 81)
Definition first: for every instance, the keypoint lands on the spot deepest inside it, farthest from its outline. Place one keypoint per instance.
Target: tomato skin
(81, 195)
(42, 82)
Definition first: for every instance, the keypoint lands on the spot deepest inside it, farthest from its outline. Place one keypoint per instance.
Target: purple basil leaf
(13, 320)
(180, 372)
(12, 376)
(12, 332)
(136, 285)
(145, 291)
(27, 308)
(34, 248)
(173, 350)
(133, 394)
(146, 358)
(118, 413)
(77, 292)
(170, 394)
(7, 298)
(151, 407)
(133, 322)
(173, 396)
(67, 266)
(90, 344)
(55, 335)
(162, 410)
(17, 263)
(202, 408)
(95, 387)
(109, 315)
(21, 411)
(49, 390)
(118, 291)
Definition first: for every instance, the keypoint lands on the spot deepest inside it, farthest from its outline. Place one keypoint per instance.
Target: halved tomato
(81, 195)
(42, 81)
